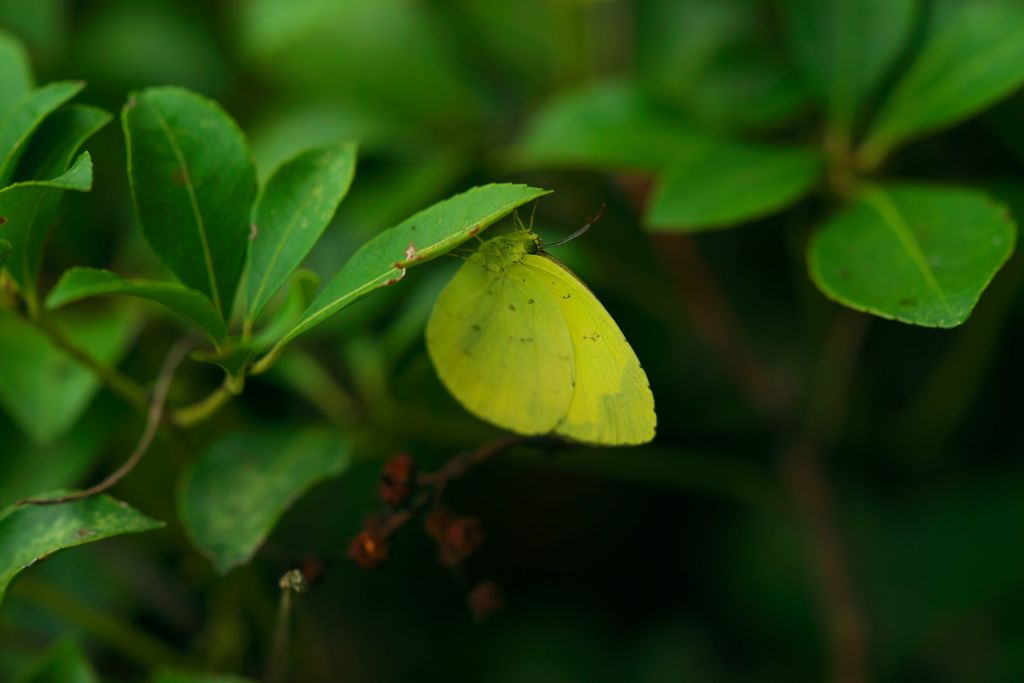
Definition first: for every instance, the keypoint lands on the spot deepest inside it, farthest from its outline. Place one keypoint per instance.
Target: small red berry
(397, 480)
(368, 550)
(462, 537)
(485, 599)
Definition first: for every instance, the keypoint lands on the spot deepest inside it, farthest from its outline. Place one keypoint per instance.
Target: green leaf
(722, 184)
(64, 662)
(191, 306)
(426, 235)
(914, 253)
(708, 59)
(58, 140)
(30, 533)
(971, 61)
(15, 72)
(193, 182)
(21, 120)
(846, 46)
(43, 389)
(233, 495)
(175, 676)
(5, 251)
(29, 209)
(301, 293)
(610, 125)
(294, 209)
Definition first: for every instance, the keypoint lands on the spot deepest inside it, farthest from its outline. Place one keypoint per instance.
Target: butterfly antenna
(518, 221)
(588, 226)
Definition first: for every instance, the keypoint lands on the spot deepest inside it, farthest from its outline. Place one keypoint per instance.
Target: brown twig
(801, 467)
(434, 483)
(154, 417)
(715, 323)
(717, 326)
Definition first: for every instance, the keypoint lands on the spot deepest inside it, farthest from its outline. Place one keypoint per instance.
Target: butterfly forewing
(612, 402)
(499, 342)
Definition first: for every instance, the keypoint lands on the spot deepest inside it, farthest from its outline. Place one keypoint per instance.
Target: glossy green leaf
(301, 293)
(611, 125)
(233, 495)
(723, 183)
(64, 662)
(971, 61)
(30, 533)
(43, 389)
(426, 235)
(16, 78)
(175, 676)
(29, 210)
(294, 209)
(918, 254)
(22, 119)
(846, 46)
(193, 182)
(191, 306)
(58, 139)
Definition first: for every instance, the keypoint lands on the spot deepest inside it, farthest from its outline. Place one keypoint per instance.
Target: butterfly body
(521, 342)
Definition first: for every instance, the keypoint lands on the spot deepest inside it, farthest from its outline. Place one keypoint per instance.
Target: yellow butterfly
(521, 342)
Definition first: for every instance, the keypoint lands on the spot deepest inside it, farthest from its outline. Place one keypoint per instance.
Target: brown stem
(433, 483)
(715, 323)
(809, 490)
(153, 419)
(717, 326)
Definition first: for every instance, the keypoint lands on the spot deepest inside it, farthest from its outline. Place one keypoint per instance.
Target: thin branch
(434, 483)
(203, 409)
(809, 490)
(715, 323)
(153, 419)
(121, 636)
(122, 385)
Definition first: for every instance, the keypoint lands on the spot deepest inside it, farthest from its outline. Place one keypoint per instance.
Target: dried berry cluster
(406, 492)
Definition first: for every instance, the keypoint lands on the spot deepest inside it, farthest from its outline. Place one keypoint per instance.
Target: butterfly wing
(612, 402)
(500, 345)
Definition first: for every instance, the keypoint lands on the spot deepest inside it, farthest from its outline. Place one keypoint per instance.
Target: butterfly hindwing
(612, 402)
(500, 345)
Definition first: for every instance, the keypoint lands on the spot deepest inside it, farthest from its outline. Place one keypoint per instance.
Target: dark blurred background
(737, 546)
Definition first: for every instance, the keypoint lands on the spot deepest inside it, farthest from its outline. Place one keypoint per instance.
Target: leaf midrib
(879, 200)
(268, 271)
(194, 203)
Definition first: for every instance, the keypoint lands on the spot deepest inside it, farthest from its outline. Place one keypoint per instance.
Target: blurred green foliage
(739, 145)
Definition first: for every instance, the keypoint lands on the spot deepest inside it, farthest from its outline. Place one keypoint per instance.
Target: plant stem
(190, 415)
(813, 500)
(120, 636)
(122, 385)
(715, 323)
(153, 419)
(291, 584)
(809, 490)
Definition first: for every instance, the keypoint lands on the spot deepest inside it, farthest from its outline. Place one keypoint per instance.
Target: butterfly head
(511, 248)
